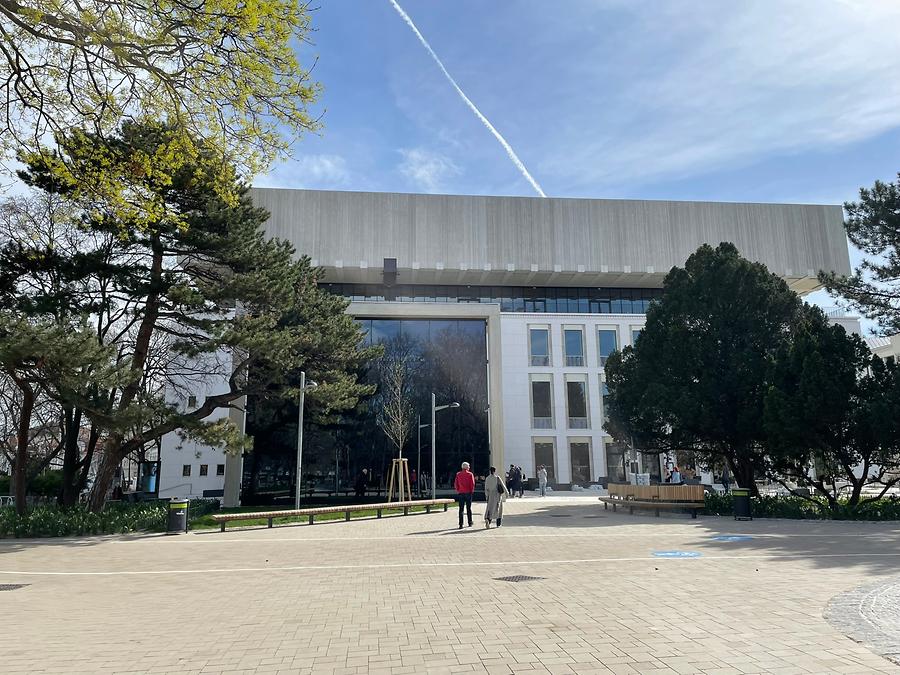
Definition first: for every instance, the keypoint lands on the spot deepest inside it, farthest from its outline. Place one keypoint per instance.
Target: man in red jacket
(465, 488)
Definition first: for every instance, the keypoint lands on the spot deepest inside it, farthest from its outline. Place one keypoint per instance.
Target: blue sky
(753, 100)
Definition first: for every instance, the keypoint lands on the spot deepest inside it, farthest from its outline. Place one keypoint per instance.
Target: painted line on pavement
(488, 563)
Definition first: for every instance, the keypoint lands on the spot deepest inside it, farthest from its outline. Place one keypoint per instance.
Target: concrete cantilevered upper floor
(531, 241)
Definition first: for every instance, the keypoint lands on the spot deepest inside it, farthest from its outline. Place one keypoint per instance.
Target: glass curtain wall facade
(447, 357)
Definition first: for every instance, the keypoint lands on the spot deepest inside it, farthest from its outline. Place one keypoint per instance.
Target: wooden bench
(223, 518)
(672, 497)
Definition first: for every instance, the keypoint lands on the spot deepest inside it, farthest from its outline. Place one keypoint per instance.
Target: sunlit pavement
(590, 591)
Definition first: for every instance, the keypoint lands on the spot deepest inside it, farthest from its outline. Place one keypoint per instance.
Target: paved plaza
(602, 593)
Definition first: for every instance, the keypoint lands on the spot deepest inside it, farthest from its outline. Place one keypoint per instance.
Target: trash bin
(178, 516)
(741, 501)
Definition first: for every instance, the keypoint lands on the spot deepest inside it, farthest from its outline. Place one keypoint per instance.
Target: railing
(540, 360)
(574, 360)
(579, 423)
(541, 422)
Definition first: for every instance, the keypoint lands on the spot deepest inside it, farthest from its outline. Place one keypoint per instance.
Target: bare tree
(395, 413)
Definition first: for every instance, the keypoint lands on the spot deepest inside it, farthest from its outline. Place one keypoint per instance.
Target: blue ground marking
(676, 554)
(733, 537)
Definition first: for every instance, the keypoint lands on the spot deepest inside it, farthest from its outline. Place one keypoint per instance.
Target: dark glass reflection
(510, 298)
(447, 357)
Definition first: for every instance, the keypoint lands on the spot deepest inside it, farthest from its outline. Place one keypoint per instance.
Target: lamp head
(454, 405)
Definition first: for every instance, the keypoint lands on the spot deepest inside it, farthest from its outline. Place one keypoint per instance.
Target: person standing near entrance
(465, 488)
(362, 480)
(494, 489)
(542, 480)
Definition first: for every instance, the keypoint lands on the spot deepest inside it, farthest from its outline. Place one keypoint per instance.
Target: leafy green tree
(697, 377)
(188, 285)
(216, 69)
(873, 225)
(825, 430)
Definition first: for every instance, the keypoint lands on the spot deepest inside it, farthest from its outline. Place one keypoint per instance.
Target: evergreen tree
(697, 377)
(185, 287)
(873, 225)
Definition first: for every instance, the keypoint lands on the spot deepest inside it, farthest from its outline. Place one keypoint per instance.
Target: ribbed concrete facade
(562, 242)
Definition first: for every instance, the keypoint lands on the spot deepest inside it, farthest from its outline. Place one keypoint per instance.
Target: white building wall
(518, 431)
(175, 452)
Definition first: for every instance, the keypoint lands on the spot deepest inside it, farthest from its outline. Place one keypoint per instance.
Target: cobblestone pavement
(609, 593)
(870, 614)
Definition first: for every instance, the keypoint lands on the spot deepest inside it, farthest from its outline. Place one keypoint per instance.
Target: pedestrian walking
(521, 481)
(494, 489)
(542, 480)
(511, 480)
(465, 488)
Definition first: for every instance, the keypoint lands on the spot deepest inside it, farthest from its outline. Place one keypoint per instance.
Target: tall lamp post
(434, 409)
(419, 456)
(304, 387)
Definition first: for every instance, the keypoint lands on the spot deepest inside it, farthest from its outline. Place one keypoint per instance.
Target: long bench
(223, 518)
(672, 497)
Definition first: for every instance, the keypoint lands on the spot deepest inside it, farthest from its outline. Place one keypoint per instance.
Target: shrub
(120, 518)
(46, 484)
(798, 508)
(5, 485)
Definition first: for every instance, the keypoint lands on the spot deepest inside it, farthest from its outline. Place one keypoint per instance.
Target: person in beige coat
(494, 491)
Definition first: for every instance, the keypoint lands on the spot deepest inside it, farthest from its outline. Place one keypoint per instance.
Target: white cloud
(324, 171)
(426, 169)
(671, 89)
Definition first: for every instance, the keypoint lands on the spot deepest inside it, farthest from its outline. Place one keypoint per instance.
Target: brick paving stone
(414, 595)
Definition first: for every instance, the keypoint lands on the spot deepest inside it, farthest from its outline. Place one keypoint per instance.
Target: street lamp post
(434, 409)
(419, 455)
(303, 389)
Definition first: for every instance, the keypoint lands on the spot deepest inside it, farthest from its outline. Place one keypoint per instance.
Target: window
(607, 343)
(580, 457)
(574, 339)
(635, 334)
(220, 469)
(192, 402)
(576, 404)
(186, 470)
(604, 392)
(541, 404)
(544, 456)
(615, 462)
(204, 469)
(539, 345)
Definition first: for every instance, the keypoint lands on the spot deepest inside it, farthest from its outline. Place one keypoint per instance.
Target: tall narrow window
(545, 457)
(541, 404)
(580, 457)
(539, 345)
(204, 469)
(604, 392)
(615, 462)
(574, 339)
(607, 343)
(576, 403)
(635, 334)
(192, 402)
(185, 469)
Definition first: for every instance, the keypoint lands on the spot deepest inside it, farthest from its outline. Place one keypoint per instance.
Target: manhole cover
(560, 515)
(517, 578)
(11, 587)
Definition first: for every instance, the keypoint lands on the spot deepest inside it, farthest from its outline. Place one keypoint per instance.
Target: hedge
(53, 521)
(799, 508)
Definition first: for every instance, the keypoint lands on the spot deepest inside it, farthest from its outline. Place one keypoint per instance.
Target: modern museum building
(508, 306)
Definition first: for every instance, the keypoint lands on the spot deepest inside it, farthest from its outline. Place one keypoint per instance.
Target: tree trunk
(743, 474)
(114, 450)
(112, 456)
(19, 475)
(72, 427)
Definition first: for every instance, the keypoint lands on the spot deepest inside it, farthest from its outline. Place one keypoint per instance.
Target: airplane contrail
(484, 120)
